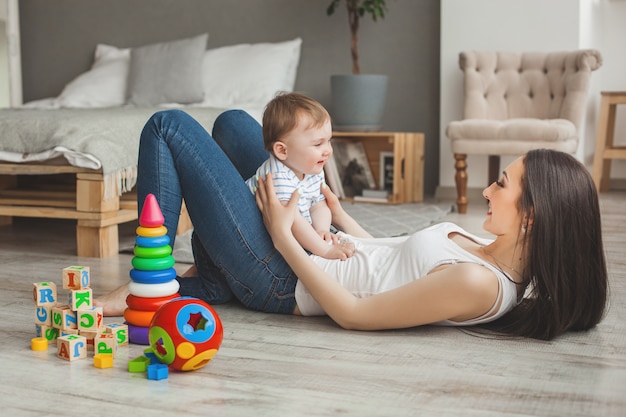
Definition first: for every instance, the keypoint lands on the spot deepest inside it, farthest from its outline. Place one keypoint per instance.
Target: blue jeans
(233, 252)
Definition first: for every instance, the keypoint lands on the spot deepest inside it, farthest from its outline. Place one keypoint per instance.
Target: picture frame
(353, 167)
(386, 171)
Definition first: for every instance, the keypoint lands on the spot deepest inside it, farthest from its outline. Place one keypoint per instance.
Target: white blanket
(90, 138)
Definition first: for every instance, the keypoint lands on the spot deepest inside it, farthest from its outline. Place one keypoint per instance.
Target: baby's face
(308, 147)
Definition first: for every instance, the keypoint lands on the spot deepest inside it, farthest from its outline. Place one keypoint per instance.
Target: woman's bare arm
(340, 219)
(459, 292)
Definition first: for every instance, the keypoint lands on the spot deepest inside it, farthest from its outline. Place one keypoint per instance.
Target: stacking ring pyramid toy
(153, 277)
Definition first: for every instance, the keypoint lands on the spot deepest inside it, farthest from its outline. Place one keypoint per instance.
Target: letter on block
(82, 298)
(76, 277)
(45, 293)
(120, 331)
(105, 343)
(72, 347)
(49, 333)
(89, 319)
(63, 317)
(43, 315)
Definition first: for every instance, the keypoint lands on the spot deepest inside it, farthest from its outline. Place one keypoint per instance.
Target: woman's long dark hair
(565, 267)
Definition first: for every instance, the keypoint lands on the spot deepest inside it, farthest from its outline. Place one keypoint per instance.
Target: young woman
(544, 273)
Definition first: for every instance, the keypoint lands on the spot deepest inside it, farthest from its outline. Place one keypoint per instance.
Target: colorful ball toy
(185, 333)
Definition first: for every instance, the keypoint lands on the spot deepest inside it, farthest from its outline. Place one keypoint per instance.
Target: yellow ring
(151, 231)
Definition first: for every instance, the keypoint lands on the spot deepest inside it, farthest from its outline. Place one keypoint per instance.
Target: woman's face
(503, 195)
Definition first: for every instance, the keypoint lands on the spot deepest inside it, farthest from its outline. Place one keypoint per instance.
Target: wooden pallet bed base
(96, 220)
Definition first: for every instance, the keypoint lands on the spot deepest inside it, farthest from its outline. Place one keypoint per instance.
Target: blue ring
(152, 242)
(152, 277)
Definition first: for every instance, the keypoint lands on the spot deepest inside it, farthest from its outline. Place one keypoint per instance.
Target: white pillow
(249, 74)
(104, 85)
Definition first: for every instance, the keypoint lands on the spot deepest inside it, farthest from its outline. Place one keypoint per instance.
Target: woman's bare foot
(113, 303)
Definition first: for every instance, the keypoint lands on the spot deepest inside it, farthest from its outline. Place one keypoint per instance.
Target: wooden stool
(605, 151)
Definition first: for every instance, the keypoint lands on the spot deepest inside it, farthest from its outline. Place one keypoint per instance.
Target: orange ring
(138, 318)
(151, 231)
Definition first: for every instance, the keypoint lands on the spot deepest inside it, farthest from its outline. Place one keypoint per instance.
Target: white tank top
(383, 264)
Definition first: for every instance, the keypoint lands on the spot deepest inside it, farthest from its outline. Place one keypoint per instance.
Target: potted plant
(358, 100)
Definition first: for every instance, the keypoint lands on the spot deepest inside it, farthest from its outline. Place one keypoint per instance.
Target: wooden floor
(273, 365)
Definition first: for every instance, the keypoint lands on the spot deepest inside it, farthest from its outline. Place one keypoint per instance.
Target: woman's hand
(278, 218)
(332, 201)
(340, 219)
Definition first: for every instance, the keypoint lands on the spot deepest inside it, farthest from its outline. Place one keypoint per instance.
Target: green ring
(158, 252)
(153, 264)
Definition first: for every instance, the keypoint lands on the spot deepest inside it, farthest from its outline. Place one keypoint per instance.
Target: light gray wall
(58, 39)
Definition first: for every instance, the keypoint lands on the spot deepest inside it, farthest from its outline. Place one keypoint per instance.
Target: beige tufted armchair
(516, 102)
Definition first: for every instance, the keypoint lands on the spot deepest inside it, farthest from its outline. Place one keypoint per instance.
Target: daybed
(87, 138)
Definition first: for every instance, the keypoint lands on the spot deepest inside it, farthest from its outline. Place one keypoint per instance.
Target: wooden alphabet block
(89, 319)
(120, 331)
(63, 317)
(105, 343)
(90, 336)
(67, 332)
(82, 298)
(72, 347)
(44, 293)
(76, 277)
(47, 332)
(43, 315)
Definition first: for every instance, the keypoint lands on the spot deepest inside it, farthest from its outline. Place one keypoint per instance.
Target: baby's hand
(340, 248)
(330, 238)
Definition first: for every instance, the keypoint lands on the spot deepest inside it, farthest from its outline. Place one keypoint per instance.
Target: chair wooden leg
(461, 181)
(604, 140)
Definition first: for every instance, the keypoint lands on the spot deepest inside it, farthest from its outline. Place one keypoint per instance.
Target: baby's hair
(282, 113)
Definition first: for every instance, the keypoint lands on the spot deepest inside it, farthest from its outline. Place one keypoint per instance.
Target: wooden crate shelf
(408, 154)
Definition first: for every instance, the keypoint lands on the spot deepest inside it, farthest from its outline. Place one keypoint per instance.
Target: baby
(297, 133)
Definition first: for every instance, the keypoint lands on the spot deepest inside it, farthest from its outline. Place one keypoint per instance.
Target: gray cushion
(169, 72)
